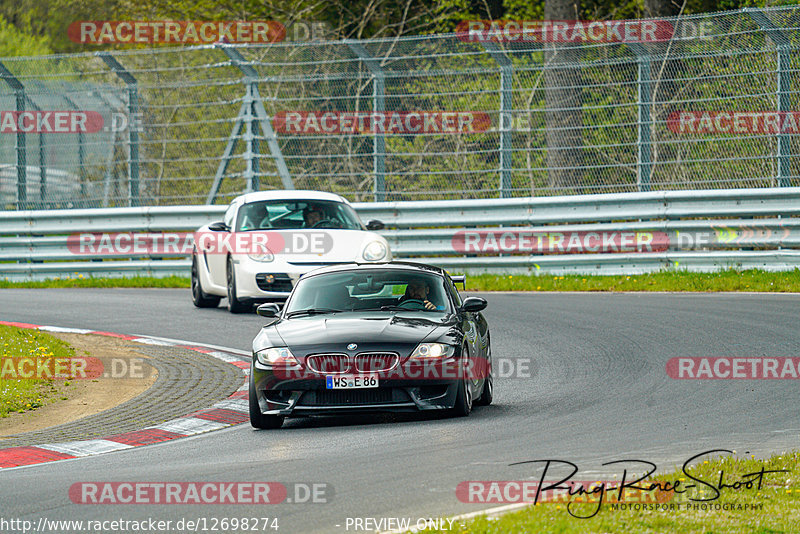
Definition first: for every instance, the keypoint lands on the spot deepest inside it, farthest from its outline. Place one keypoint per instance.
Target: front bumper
(272, 281)
(278, 394)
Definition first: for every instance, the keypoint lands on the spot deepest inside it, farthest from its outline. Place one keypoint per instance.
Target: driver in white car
(312, 215)
(418, 289)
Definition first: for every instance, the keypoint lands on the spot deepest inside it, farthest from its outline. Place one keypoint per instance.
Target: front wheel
(487, 395)
(234, 304)
(199, 297)
(488, 392)
(258, 419)
(463, 404)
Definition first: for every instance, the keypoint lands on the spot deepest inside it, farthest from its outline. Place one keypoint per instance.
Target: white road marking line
(65, 330)
(190, 425)
(150, 341)
(196, 344)
(85, 447)
(224, 357)
(239, 405)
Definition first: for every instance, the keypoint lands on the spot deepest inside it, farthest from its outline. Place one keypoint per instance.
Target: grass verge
(82, 281)
(25, 394)
(775, 508)
(730, 280)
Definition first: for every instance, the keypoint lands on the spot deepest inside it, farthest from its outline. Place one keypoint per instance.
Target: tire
(463, 405)
(199, 297)
(258, 419)
(487, 395)
(234, 304)
(488, 392)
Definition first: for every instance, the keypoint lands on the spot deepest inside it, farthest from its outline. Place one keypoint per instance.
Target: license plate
(351, 382)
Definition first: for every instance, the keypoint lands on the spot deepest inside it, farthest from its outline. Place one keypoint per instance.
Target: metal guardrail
(603, 234)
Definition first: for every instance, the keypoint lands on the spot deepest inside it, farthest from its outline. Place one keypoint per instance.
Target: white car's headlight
(433, 350)
(262, 254)
(375, 251)
(276, 356)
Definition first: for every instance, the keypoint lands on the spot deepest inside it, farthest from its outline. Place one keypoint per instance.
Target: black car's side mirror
(269, 310)
(474, 304)
(375, 225)
(218, 226)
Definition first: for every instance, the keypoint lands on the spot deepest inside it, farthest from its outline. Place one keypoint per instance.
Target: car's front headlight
(262, 254)
(375, 251)
(433, 350)
(276, 356)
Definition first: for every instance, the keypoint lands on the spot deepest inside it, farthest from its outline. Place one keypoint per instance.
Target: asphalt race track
(597, 391)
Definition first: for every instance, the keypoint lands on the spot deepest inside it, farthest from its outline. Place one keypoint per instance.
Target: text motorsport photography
(626, 491)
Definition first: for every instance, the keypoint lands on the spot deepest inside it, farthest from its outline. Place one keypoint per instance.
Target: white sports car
(268, 240)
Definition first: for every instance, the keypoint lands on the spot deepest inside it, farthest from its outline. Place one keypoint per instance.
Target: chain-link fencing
(698, 102)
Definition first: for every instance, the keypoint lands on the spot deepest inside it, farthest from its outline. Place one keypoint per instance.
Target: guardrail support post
(783, 46)
(378, 106)
(506, 117)
(644, 158)
(133, 133)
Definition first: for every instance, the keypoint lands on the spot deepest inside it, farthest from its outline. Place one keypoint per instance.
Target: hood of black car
(369, 330)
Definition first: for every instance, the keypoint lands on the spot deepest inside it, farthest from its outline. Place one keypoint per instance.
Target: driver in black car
(417, 289)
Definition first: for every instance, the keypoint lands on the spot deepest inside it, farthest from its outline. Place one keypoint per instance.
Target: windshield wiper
(310, 311)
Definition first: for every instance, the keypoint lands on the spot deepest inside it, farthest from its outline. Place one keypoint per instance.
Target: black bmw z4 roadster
(354, 338)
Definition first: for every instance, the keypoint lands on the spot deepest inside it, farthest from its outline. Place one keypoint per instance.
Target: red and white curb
(231, 411)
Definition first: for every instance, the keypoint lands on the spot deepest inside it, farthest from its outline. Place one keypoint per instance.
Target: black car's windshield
(296, 214)
(373, 289)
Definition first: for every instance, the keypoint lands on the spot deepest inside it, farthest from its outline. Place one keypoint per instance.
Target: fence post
(81, 155)
(506, 118)
(110, 160)
(19, 146)
(644, 97)
(133, 133)
(250, 155)
(783, 46)
(251, 114)
(378, 106)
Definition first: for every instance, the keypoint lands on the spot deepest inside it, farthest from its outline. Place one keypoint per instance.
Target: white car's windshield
(386, 290)
(295, 214)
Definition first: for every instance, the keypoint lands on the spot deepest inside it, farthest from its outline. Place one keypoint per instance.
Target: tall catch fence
(705, 102)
